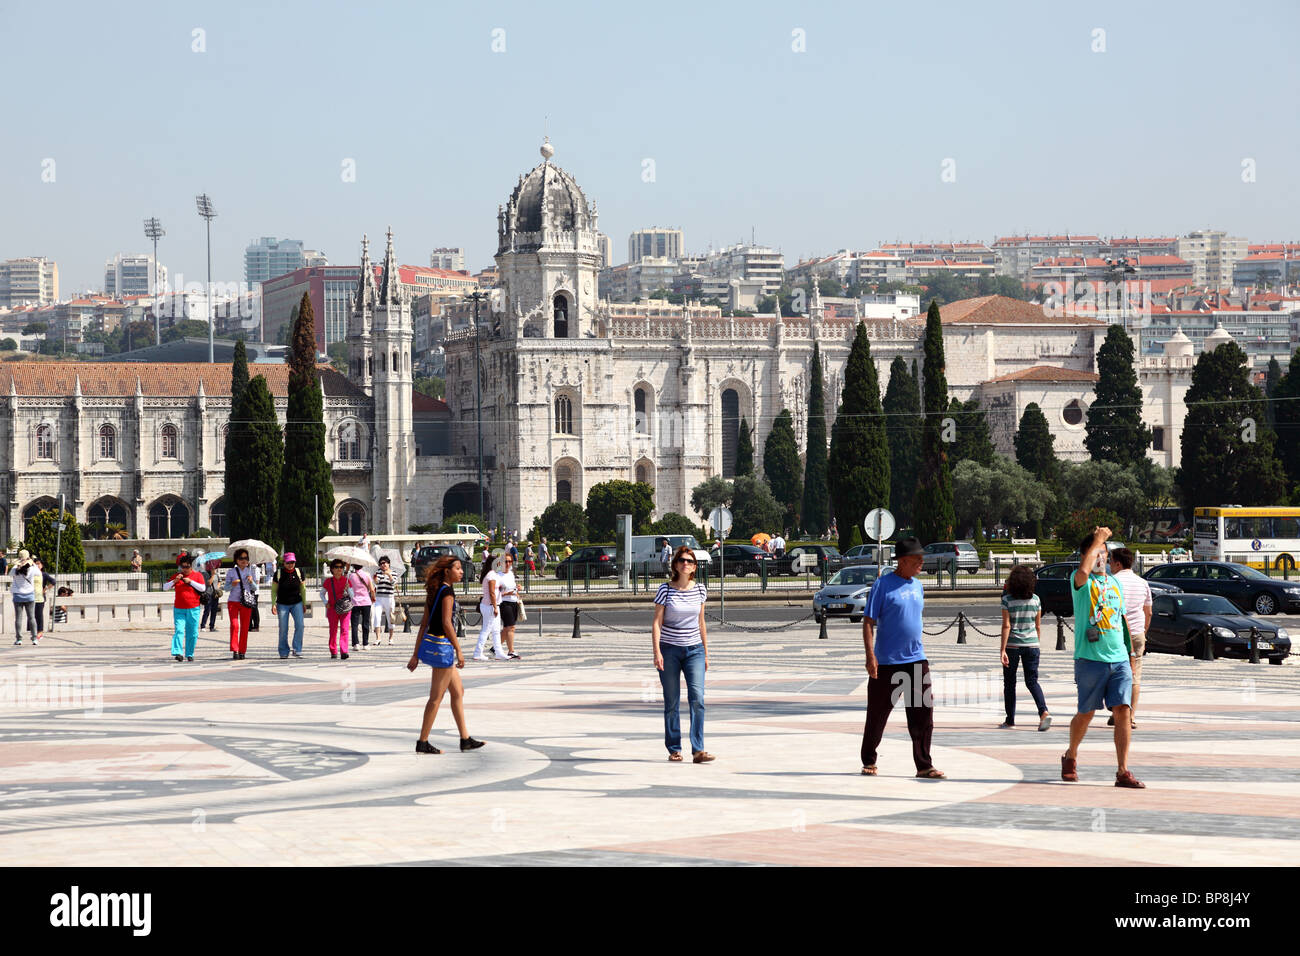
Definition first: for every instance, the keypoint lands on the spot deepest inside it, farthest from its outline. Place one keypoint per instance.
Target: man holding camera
(1101, 656)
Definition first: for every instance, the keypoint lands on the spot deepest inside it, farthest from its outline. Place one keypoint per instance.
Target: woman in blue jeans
(681, 646)
(1022, 626)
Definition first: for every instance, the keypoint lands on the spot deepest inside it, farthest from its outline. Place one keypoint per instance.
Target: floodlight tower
(153, 230)
(209, 213)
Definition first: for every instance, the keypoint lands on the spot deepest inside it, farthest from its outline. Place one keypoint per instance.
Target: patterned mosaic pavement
(111, 754)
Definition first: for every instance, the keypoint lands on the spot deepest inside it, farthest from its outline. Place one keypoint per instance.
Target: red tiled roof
(427, 403)
(1001, 310)
(1046, 373)
(179, 379)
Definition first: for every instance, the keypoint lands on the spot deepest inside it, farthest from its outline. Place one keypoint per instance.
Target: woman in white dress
(490, 610)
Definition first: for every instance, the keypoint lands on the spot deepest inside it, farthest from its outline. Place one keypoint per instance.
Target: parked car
(432, 552)
(824, 554)
(740, 559)
(1251, 590)
(1183, 623)
(1053, 587)
(941, 555)
(845, 594)
(601, 560)
(866, 554)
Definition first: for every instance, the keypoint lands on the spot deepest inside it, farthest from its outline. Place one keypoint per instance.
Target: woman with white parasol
(241, 587)
(363, 590)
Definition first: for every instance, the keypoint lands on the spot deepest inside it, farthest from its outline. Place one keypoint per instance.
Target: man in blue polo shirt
(896, 664)
(1101, 656)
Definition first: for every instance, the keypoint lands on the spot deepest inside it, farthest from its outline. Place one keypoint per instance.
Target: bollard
(1207, 646)
(460, 625)
(961, 627)
(997, 572)
(577, 623)
(406, 628)
(821, 635)
(539, 622)
(1060, 633)
(1254, 645)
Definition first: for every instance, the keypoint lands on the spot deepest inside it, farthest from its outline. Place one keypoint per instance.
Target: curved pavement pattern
(311, 762)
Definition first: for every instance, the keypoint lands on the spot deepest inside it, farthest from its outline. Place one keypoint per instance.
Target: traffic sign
(720, 520)
(879, 524)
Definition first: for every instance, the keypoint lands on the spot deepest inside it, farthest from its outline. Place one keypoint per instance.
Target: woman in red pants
(239, 579)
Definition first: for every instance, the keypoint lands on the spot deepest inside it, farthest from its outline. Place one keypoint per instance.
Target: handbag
(342, 605)
(246, 597)
(435, 649)
(523, 615)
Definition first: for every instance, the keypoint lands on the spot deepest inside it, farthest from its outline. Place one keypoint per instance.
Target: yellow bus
(1247, 535)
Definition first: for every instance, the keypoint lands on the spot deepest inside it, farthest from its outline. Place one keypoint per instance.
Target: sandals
(932, 774)
(869, 771)
(675, 756)
(703, 756)
(1126, 779)
(1069, 769)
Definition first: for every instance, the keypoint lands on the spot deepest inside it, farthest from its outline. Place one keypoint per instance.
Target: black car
(1183, 623)
(432, 552)
(1053, 587)
(599, 561)
(741, 559)
(826, 554)
(1252, 591)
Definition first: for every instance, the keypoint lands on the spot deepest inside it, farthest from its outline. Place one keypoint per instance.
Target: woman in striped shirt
(385, 586)
(681, 645)
(1022, 621)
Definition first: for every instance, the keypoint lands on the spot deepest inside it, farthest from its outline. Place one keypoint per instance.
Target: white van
(646, 549)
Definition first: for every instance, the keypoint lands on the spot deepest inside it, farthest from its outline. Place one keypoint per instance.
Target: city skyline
(842, 145)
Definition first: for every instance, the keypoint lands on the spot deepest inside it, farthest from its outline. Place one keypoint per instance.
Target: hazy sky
(841, 145)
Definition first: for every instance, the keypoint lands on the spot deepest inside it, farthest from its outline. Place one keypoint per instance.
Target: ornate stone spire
(390, 290)
(365, 300)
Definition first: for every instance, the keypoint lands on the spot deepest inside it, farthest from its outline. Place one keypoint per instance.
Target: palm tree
(115, 531)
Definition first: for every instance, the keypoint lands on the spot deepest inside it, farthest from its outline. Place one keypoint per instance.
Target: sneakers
(478, 658)
(344, 655)
(1045, 722)
(333, 656)
(177, 658)
(18, 643)
(190, 660)
(1006, 725)
(424, 747)
(469, 743)
(295, 654)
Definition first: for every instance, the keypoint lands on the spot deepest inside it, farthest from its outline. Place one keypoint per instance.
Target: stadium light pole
(209, 213)
(153, 230)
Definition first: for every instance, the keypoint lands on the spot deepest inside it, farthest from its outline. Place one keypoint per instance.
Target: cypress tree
(1227, 447)
(859, 458)
(902, 407)
(238, 386)
(1270, 390)
(1034, 446)
(1115, 431)
(933, 511)
(253, 472)
(974, 442)
(744, 451)
(815, 514)
(306, 482)
(781, 466)
(1286, 419)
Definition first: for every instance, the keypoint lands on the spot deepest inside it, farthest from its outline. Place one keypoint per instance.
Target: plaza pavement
(311, 762)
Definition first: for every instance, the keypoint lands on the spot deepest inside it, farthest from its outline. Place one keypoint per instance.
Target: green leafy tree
(815, 514)
(43, 541)
(1286, 419)
(782, 468)
(744, 450)
(8, 345)
(754, 508)
(974, 442)
(1227, 448)
(563, 521)
(610, 498)
(902, 408)
(673, 523)
(714, 492)
(254, 471)
(431, 385)
(36, 328)
(1034, 445)
(1115, 431)
(934, 518)
(1072, 528)
(306, 491)
(338, 355)
(184, 329)
(1105, 484)
(1001, 494)
(859, 456)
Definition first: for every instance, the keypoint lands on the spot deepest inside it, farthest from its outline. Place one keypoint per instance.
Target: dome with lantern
(547, 208)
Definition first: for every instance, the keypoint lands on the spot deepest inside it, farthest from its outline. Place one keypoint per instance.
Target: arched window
(169, 518)
(397, 363)
(107, 441)
(561, 305)
(370, 364)
(1157, 439)
(730, 431)
(217, 518)
(349, 442)
(108, 511)
(383, 362)
(45, 442)
(35, 508)
(642, 476)
(168, 442)
(564, 415)
(642, 421)
(352, 517)
(563, 483)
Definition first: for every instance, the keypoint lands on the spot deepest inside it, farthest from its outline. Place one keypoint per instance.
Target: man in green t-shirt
(1101, 656)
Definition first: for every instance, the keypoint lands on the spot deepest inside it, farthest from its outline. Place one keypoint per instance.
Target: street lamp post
(208, 213)
(478, 400)
(153, 230)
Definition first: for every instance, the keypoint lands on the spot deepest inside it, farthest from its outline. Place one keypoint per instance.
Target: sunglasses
(685, 560)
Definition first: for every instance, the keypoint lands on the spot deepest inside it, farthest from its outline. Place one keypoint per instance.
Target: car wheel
(1275, 660)
(1265, 603)
(857, 619)
(972, 570)
(1286, 562)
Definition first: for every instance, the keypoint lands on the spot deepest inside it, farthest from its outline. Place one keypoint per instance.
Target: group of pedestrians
(30, 590)
(499, 607)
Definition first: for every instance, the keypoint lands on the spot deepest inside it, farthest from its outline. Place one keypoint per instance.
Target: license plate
(845, 607)
(1265, 645)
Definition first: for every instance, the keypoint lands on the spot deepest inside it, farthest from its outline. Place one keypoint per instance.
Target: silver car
(866, 554)
(941, 556)
(845, 594)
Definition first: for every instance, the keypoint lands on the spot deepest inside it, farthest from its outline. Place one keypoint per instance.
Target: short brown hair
(1123, 557)
(1021, 581)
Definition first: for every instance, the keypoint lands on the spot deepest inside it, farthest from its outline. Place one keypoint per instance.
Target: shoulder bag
(342, 605)
(246, 597)
(435, 649)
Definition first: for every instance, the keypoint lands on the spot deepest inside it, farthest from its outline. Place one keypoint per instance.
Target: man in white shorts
(1137, 610)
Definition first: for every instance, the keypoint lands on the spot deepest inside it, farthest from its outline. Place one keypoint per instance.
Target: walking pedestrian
(23, 593)
(363, 597)
(680, 641)
(896, 663)
(489, 612)
(1022, 630)
(189, 586)
(529, 563)
(1137, 611)
(568, 550)
(544, 552)
(336, 595)
(288, 598)
(778, 546)
(42, 585)
(1102, 648)
(211, 595)
(665, 558)
(437, 646)
(241, 595)
(508, 595)
(385, 595)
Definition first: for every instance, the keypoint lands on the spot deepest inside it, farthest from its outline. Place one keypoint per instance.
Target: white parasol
(259, 552)
(352, 555)
(395, 563)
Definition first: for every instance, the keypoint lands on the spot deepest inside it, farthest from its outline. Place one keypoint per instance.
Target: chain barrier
(947, 627)
(614, 627)
(972, 626)
(758, 630)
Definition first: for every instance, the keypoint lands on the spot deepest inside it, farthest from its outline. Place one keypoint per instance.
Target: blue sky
(841, 145)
